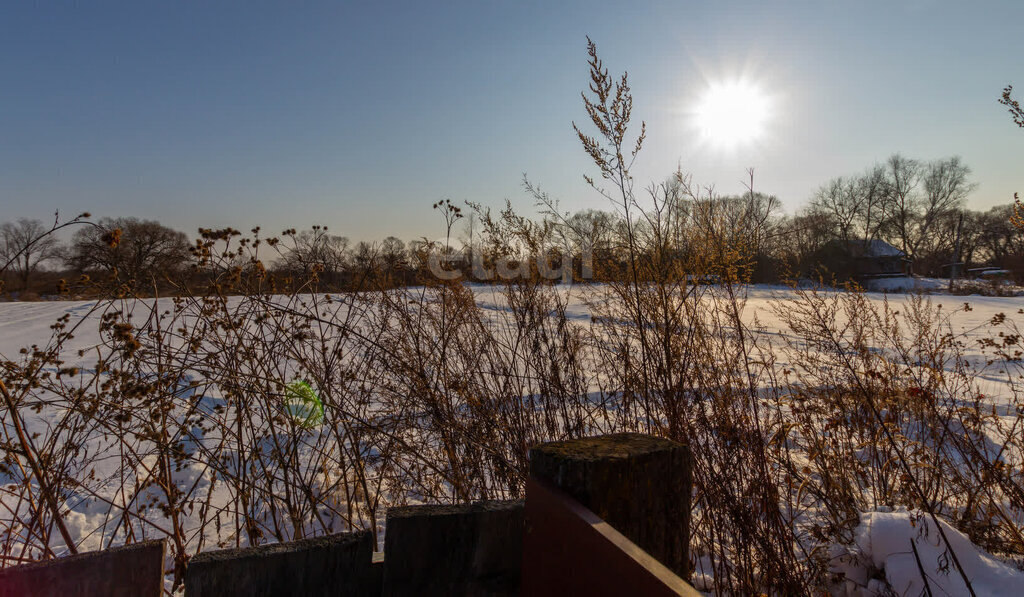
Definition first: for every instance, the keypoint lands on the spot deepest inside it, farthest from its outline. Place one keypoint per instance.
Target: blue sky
(359, 116)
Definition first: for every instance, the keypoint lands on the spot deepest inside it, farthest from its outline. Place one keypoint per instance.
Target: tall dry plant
(678, 358)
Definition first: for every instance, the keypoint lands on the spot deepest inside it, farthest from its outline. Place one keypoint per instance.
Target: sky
(359, 116)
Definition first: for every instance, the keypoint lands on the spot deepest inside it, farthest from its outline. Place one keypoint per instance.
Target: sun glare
(732, 114)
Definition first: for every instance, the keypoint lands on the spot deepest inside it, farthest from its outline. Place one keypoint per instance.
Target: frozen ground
(938, 285)
(25, 324)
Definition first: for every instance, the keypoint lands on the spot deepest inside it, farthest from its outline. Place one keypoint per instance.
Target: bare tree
(594, 231)
(317, 250)
(918, 195)
(393, 254)
(25, 245)
(999, 240)
(902, 177)
(945, 188)
(855, 205)
(839, 201)
(970, 235)
(365, 257)
(803, 236)
(131, 250)
(871, 186)
(904, 201)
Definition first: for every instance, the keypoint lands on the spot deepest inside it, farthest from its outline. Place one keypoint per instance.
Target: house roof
(869, 248)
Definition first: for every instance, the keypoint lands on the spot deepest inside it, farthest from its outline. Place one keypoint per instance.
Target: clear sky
(359, 116)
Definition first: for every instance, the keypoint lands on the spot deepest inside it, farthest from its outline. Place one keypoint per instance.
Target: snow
(880, 248)
(885, 545)
(906, 284)
(902, 284)
(882, 540)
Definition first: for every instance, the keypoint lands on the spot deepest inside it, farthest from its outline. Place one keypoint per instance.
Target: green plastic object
(303, 405)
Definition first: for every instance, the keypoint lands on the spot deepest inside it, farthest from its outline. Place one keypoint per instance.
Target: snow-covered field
(25, 324)
(882, 538)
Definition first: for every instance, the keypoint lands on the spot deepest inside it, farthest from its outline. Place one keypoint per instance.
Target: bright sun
(732, 114)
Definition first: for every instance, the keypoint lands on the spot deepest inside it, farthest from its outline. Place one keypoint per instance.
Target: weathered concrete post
(638, 484)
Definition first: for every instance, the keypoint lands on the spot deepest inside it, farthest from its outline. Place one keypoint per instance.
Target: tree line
(141, 256)
(919, 208)
(916, 206)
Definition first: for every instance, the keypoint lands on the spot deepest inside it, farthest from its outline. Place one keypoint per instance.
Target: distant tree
(937, 250)
(316, 249)
(134, 250)
(873, 190)
(919, 196)
(839, 202)
(592, 234)
(856, 206)
(24, 246)
(761, 225)
(419, 252)
(758, 219)
(902, 177)
(365, 258)
(748, 221)
(946, 187)
(803, 236)
(970, 237)
(998, 239)
(393, 255)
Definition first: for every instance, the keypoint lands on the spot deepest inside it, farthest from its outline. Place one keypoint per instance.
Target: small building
(862, 259)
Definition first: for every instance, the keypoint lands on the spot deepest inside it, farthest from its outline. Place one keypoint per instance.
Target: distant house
(863, 259)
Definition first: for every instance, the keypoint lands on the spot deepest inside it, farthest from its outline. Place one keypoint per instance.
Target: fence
(607, 515)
